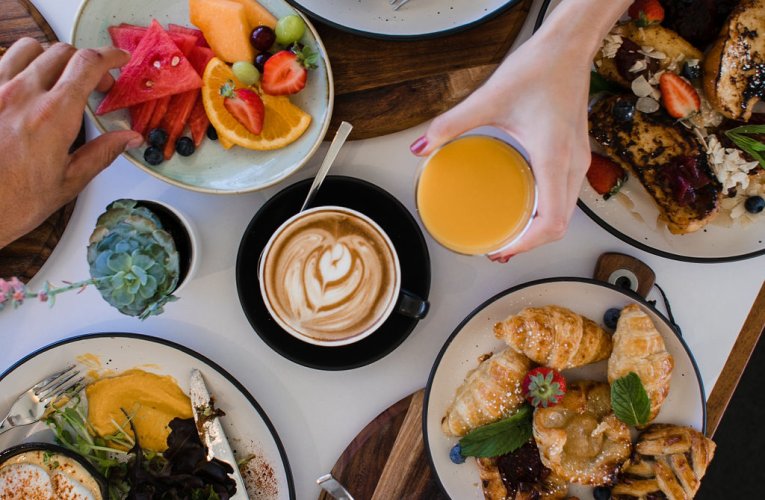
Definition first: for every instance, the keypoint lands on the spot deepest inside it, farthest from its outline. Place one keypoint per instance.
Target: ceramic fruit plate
(246, 425)
(632, 216)
(211, 168)
(416, 19)
(685, 404)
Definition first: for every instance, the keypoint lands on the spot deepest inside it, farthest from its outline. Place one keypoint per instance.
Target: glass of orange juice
(476, 194)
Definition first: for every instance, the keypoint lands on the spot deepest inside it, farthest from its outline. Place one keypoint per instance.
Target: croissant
(555, 337)
(489, 393)
(639, 348)
(668, 460)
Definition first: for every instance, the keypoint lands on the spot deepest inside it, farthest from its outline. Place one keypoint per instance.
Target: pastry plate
(211, 169)
(685, 405)
(246, 425)
(632, 216)
(372, 201)
(417, 19)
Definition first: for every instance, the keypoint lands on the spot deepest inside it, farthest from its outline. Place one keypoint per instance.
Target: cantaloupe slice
(225, 26)
(257, 15)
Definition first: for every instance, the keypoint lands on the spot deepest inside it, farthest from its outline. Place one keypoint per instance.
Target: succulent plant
(133, 260)
(133, 263)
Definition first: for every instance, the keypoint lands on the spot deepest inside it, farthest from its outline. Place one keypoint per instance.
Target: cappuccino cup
(330, 276)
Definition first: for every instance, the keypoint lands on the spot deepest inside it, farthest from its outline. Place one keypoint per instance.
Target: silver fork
(397, 4)
(30, 406)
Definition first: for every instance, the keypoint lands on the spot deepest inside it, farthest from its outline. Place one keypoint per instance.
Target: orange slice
(284, 122)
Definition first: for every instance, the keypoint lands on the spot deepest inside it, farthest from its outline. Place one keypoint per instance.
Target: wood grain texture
(736, 363)
(384, 86)
(610, 263)
(387, 458)
(25, 256)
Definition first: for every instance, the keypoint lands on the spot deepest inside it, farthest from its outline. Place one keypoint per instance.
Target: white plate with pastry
(558, 323)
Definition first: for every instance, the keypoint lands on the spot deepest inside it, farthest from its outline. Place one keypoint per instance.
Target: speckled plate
(211, 169)
(246, 425)
(415, 20)
(685, 405)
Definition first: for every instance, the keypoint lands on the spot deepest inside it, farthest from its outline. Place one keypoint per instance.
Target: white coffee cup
(330, 276)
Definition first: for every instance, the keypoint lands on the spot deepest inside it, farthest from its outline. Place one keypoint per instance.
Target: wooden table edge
(737, 361)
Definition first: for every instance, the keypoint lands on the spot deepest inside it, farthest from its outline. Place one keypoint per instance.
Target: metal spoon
(342, 134)
(336, 490)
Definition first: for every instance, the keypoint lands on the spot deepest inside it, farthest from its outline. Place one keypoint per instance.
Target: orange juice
(476, 195)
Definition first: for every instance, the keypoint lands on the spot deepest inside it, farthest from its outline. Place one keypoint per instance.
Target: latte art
(330, 275)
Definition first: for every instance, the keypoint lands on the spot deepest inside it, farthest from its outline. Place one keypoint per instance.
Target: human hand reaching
(539, 95)
(43, 94)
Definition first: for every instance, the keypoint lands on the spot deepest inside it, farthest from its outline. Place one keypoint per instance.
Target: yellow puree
(152, 400)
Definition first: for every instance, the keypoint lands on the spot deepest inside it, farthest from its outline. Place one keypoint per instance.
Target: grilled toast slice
(734, 68)
(667, 159)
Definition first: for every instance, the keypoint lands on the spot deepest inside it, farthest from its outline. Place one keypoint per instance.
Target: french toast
(734, 68)
(665, 157)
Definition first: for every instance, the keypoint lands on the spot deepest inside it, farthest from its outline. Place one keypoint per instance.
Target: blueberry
(691, 71)
(754, 204)
(185, 146)
(611, 317)
(455, 454)
(153, 155)
(601, 493)
(158, 137)
(212, 134)
(260, 60)
(624, 110)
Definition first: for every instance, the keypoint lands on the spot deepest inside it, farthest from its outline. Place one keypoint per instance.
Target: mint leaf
(750, 145)
(599, 84)
(499, 438)
(630, 401)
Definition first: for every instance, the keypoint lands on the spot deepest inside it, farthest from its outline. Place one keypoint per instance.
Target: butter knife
(211, 430)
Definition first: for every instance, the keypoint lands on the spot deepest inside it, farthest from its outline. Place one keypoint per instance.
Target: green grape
(289, 29)
(246, 73)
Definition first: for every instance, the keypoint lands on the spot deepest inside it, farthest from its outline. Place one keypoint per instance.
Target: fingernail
(419, 145)
(134, 143)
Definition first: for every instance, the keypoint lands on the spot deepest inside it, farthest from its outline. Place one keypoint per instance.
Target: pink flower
(18, 297)
(3, 298)
(5, 287)
(42, 296)
(16, 284)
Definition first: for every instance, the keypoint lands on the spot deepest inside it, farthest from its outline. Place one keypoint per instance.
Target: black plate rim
(425, 36)
(628, 293)
(190, 352)
(355, 364)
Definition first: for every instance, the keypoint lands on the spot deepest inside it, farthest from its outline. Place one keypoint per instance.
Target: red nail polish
(419, 145)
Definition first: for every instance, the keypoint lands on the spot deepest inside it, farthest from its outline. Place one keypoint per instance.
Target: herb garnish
(599, 84)
(630, 401)
(499, 438)
(740, 137)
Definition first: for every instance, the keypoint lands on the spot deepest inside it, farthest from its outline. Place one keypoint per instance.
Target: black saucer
(368, 199)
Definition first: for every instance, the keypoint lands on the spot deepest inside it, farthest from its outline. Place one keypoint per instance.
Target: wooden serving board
(384, 86)
(25, 256)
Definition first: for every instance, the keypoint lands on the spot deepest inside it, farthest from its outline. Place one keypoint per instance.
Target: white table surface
(318, 413)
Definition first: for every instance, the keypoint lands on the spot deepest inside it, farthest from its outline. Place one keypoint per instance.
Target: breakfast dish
(490, 392)
(580, 439)
(639, 348)
(136, 405)
(669, 462)
(555, 337)
(194, 89)
(574, 433)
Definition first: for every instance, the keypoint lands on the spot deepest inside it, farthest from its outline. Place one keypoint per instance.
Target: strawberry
(544, 387)
(646, 12)
(287, 71)
(605, 176)
(246, 106)
(679, 97)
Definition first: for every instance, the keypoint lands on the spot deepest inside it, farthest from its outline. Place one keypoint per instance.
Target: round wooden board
(25, 256)
(384, 86)
(387, 458)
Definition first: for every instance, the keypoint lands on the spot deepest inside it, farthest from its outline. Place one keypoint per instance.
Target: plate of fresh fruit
(231, 96)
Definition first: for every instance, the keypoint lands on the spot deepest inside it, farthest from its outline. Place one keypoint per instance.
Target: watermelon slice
(141, 114)
(175, 118)
(156, 69)
(159, 112)
(177, 28)
(199, 57)
(128, 36)
(198, 122)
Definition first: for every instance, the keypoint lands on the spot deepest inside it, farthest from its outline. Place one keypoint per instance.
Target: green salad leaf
(630, 401)
(741, 138)
(499, 438)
